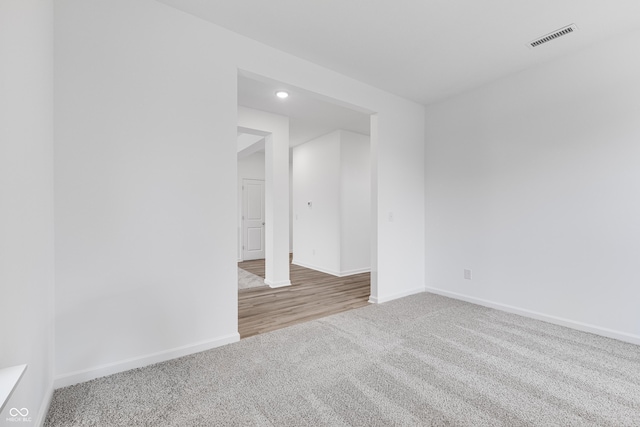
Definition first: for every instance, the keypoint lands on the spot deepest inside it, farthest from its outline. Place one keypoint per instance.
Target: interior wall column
(277, 210)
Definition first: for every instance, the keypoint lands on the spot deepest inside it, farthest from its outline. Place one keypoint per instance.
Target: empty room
(503, 228)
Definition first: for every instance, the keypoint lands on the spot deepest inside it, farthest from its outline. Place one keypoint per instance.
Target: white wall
(334, 173)
(250, 167)
(316, 228)
(26, 201)
(355, 203)
(145, 149)
(532, 182)
(145, 161)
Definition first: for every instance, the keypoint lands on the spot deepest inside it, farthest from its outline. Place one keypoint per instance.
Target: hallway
(312, 295)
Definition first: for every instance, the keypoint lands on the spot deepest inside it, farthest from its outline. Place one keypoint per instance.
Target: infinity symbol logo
(14, 412)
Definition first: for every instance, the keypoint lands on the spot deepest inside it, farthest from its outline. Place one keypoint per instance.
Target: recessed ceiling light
(282, 94)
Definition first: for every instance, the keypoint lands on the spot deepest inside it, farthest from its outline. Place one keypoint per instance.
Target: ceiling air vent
(552, 36)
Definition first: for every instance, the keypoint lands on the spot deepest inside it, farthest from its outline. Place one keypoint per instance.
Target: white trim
(585, 327)
(44, 407)
(281, 284)
(355, 271)
(9, 379)
(138, 362)
(316, 268)
(380, 300)
(332, 272)
(240, 251)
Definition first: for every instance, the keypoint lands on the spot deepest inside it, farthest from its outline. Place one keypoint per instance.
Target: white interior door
(252, 219)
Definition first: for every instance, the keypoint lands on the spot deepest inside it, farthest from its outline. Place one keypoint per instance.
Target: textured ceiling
(423, 50)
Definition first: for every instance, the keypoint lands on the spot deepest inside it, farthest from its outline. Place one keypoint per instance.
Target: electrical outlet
(467, 274)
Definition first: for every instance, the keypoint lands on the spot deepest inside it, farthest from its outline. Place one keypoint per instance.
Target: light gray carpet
(419, 361)
(248, 280)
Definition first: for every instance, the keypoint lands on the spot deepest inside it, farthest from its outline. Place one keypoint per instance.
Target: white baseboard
(387, 298)
(280, 284)
(65, 380)
(585, 327)
(44, 407)
(354, 272)
(315, 267)
(331, 272)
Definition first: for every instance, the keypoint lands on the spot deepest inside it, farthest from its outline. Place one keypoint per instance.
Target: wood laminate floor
(312, 295)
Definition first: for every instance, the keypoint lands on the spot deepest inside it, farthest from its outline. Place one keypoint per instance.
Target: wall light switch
(467, 274)
(390, 216)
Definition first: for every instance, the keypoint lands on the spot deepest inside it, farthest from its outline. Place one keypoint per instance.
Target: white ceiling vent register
(554, 35)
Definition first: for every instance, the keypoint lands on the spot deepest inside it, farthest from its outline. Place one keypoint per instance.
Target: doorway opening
(329, 220)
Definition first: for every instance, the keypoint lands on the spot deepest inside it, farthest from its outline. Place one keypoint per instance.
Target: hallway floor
(312, 295)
